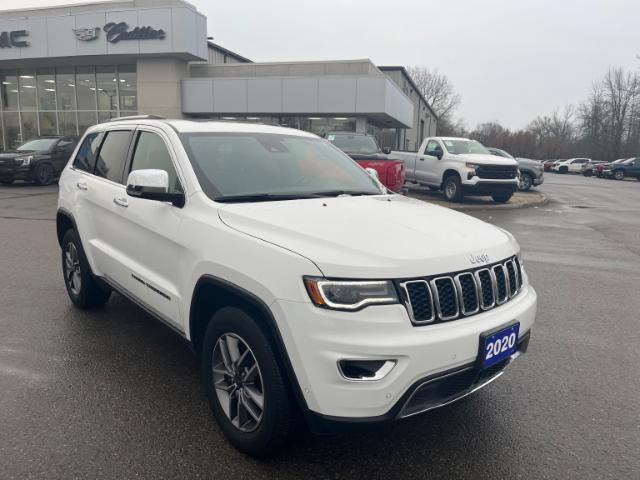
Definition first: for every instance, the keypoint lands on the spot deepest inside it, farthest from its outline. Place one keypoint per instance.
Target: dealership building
(63, 69)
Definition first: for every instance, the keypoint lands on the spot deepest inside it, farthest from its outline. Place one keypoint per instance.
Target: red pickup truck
(367, 153)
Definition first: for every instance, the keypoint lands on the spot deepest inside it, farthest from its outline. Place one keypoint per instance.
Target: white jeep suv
(299, 281)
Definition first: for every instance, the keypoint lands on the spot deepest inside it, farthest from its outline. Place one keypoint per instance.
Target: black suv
(40, 160)
(627, 168)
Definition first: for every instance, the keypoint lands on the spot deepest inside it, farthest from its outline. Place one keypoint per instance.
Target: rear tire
(83, 288)
(257, 417)
(452, 188)
(44, 174)
(588, 173)
(7, 182)
(504, 198)
(619, 174)
(563, 170)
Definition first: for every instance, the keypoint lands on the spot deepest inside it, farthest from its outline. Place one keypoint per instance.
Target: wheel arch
(64, 221)
(212, 293)
(448, 172)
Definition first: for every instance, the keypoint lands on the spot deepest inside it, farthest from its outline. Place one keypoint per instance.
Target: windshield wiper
(337, 193)
(262, 197)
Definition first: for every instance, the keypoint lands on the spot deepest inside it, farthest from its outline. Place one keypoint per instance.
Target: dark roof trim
(215, 46)
(406, 74)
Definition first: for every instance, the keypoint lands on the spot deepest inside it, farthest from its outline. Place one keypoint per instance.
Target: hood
(372, 157)
(482, 159)
(372, 236)
(528, 162)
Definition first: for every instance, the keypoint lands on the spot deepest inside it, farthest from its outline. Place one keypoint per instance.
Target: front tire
(503, 198)
(563, 170)
(83, 288)
(44, 174)
(619, 175)
(6, 181)
(452, 188)
(247, 390)
(526, 182)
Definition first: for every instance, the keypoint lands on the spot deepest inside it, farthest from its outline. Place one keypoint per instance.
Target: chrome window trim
(409, 306)
(434, 289)
(458, 285)
(492, 279)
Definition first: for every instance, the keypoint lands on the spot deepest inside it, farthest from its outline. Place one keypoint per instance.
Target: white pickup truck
(459, 167)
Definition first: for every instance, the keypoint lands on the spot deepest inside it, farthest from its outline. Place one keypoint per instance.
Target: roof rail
(138, 117)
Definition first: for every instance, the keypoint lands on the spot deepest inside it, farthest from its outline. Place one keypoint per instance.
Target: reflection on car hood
(372, 237)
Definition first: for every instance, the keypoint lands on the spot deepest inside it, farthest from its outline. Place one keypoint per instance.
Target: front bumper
(16, 173)
(538, 180)
(316, 340)
(490, 187)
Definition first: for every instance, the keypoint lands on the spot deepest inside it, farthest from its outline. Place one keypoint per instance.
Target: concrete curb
(519, 200)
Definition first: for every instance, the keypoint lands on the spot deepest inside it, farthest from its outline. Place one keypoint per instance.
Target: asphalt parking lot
(113, 394)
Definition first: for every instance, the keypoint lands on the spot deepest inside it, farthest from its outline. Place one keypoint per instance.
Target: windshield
(38, 144)
(251, 164)
(466, 147)
(354, 143)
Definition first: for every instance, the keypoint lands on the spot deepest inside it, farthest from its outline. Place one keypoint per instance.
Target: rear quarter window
(86, 157)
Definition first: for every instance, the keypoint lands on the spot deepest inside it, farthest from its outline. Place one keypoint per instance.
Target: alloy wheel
(451, 189)
(72, 272)
(619, 175)
(238, 382)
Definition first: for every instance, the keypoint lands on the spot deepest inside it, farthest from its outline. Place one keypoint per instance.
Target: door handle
(421, 159)
(121, 201)
(82, 186)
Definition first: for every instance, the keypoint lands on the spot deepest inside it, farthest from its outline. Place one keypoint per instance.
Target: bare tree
(438, 90)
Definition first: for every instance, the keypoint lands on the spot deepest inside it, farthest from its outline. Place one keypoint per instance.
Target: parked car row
(531, 172)
(618, 169)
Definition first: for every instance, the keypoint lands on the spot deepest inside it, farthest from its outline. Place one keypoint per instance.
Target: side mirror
(152, 184)
(373, 173)
(438, 153)
(386, 150)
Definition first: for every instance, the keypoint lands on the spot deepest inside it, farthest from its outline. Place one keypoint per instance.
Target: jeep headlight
(349, 294)
(23, 161)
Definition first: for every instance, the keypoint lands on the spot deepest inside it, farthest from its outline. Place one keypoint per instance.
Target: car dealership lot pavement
(113, 394)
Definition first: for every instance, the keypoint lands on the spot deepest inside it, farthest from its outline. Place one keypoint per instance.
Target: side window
(86, 158)
(432, 147)
(151, 152)
(113, 155)
(67, 144)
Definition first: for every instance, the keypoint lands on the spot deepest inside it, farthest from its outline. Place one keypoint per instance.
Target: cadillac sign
(119, 31)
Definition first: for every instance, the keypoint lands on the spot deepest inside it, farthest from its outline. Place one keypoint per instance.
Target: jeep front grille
(461, 294)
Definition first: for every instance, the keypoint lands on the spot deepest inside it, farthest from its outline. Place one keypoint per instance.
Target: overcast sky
(509, 59)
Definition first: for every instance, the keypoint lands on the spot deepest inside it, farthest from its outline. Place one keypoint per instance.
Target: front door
(427, 166)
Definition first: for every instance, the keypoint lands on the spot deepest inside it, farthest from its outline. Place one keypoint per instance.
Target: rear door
(105, 195)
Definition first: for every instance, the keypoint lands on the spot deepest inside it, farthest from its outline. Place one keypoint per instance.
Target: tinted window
(151, 152)
(432, 147)
(113, 155)
(67, 144)
(86, 157)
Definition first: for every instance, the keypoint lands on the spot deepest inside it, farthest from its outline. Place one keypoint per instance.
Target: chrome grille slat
(419, 313)
(461, 294)
(445, 298)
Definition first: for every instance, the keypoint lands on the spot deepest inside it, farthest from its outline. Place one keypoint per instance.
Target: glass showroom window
(63, 100)
(46, 89)
(128, 87)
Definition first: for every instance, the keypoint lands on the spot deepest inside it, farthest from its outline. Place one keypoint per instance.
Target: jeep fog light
(365, 370)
